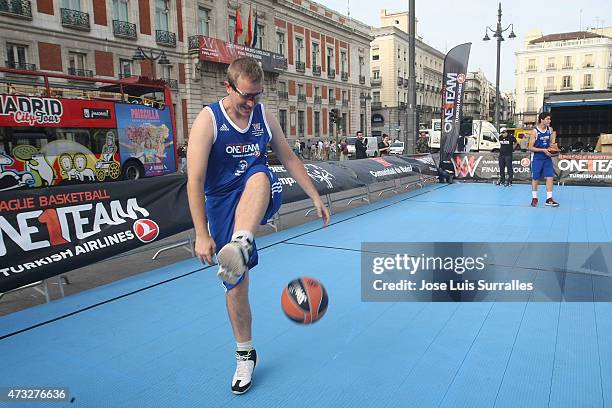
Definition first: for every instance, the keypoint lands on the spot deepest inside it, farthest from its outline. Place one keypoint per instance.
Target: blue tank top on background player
(542, 142)
(235, 150)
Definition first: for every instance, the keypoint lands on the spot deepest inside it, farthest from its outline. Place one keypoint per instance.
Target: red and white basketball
(304, 300)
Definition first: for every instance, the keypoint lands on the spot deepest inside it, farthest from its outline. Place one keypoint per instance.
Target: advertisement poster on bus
(146, 134)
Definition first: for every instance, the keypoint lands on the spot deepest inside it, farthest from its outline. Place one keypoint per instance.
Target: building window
(315, 53)
(531, 65)
(567, 61)
(125, 68)
(588, 61)
(530, 84)
(376, 97)
(361, 64)
(121, 10)
(317, 124)
(343, 61)
(551, 63)
(567, 81)
(77, 61)
(550, 83)
(330, 59)
(203, 21)
(280, 43)
(161, 15)
(231, 27)
(166, 71)
(72, 4)
(300, 89)
(344, 96)
(375, 57)
(530, 104)
(317, 92)
(344, 123)
(282, 119)
(282, 86)
(16, 55)
(331, 94)
(376, 74)
(299, 46)
(588, 81)
(301, 123)
(260, 37)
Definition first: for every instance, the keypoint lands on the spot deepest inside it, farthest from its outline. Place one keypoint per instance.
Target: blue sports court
(162, 339)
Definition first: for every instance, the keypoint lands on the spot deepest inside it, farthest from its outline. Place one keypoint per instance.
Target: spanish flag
(238, 28)
(249, 35)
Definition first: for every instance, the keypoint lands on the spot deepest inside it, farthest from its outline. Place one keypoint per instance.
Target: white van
(371, 148)
(484, 136)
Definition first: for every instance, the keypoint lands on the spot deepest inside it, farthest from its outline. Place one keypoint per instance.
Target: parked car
(396, 148)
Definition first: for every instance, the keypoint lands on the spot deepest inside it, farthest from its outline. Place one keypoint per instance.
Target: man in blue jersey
(227, 164)
(542, 144)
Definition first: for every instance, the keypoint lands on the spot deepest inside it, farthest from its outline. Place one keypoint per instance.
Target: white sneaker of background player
(233, 259)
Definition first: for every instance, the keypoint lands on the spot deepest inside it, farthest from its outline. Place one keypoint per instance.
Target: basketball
(304, 300)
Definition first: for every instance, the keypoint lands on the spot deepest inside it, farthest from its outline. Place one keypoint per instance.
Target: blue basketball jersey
(234, 150)
(542, 141)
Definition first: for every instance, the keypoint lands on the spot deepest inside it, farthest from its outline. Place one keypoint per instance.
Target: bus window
(30, 136)
(80, 136)
(102, 138)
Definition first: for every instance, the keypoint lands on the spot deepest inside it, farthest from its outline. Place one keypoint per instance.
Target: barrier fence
(48, 231)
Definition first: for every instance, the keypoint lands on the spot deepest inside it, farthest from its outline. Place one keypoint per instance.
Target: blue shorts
(221, 210)
(541, 168)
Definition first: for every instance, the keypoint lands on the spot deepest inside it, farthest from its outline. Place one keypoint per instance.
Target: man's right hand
(205, 249)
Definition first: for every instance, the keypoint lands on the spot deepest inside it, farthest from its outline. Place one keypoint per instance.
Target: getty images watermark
(453, 271)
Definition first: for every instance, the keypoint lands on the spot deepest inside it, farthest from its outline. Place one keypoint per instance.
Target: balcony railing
(300, 66)
(331, 73)
(316, 70)
(124, 29)
(16, 8)
(23, 66)
(166, 38)
(566, 87)
(345, 102)
(530, 89)
(331, 101)
(317, 100)
(194, 42)
(344, 76)
(587, 86)
(75, 19)
(551, 67)
(550, 88)
(80, 72)
(588, 65)
(569, 66)
(362, 79)
(376, 105)
(301, 97)
(283, 95)
(531, 69)
(375, 81)
(172, 83)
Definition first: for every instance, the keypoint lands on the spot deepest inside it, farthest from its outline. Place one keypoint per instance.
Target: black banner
(586, 169)
(455, 70)
(334, 176)
(485, 166)
(45, 232)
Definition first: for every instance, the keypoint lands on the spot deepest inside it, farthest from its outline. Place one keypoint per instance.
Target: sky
(525, 15)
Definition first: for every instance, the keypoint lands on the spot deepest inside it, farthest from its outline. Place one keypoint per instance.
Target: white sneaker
(233, 259)
(245, 364)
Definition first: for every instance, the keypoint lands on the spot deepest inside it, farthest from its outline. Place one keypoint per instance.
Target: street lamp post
(365, 97)
(151, 55)
(498, 32)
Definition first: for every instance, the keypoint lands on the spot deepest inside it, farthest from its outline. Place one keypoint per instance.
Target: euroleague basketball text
(51, 200)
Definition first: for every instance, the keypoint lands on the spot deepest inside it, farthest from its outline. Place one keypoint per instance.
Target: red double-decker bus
(58, 129)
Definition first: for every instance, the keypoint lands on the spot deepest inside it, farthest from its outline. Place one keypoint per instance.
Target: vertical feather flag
(249, 35)
(238, 28)
(255, 32)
